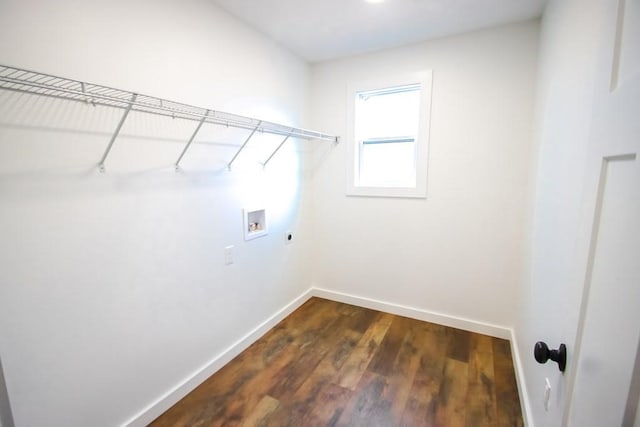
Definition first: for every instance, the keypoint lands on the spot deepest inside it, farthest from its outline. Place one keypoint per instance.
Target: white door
(611, 327)
(606, 371)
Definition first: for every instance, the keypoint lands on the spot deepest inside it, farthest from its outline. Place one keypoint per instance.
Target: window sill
(390, 192)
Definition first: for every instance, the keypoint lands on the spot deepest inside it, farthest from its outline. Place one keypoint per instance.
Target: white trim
(425, 79)
(169, 399)
(415, 313)
(445, 320)
(525, 403)
(157, 408)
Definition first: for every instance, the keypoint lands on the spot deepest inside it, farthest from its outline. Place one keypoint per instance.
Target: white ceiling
(318, 30)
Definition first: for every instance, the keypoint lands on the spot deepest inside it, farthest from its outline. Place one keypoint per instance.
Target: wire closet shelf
(35, 83)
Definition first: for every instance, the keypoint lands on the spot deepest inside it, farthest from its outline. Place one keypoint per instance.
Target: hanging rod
(35, 83)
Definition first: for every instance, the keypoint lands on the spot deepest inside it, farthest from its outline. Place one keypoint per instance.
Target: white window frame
(424, 78)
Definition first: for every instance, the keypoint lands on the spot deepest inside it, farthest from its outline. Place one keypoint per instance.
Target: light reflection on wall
(276, 186)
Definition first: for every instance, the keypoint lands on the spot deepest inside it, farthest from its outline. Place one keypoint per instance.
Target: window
(388, 130)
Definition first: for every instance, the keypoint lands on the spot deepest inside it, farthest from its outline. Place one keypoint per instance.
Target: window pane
(386, 127)
(388, 164)
(388, 113)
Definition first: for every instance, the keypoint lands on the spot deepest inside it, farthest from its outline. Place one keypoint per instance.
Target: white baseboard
(446, 320)
(415, 313)
(165, 402)
(525, 403)
(158, 407)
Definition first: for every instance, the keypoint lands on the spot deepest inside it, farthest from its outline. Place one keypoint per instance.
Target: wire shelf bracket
(193, 136)
(35, 83)
(115, 134)
(253, 132)
(286, 138)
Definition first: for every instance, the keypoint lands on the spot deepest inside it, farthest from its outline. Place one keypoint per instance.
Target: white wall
(459, 252)
(113, 285)
(571, 35)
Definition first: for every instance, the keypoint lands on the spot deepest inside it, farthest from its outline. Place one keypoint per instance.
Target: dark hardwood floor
(333, 364)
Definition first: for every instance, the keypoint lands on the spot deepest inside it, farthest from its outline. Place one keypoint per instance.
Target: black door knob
(543, 354)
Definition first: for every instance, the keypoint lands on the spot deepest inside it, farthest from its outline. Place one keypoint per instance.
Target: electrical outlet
(547, 394)
(228, 255)
(288, 237)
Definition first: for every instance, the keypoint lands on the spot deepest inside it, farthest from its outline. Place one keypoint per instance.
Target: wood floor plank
(459, 345)
(332, 401)
(422, 403)
(452, 397)
(334, 364)
(260, 414)
(245, 399)
(296, 373)
(298, 407)
(481, 397)
(507, 398)
(332, 360)
(384, 358)
(359, 359)
(403, 372)
(312, 322)
(360, 318)
(363, 409)
(336, 345)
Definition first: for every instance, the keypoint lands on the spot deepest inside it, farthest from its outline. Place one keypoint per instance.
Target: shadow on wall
(6, 419)
(145, 142)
